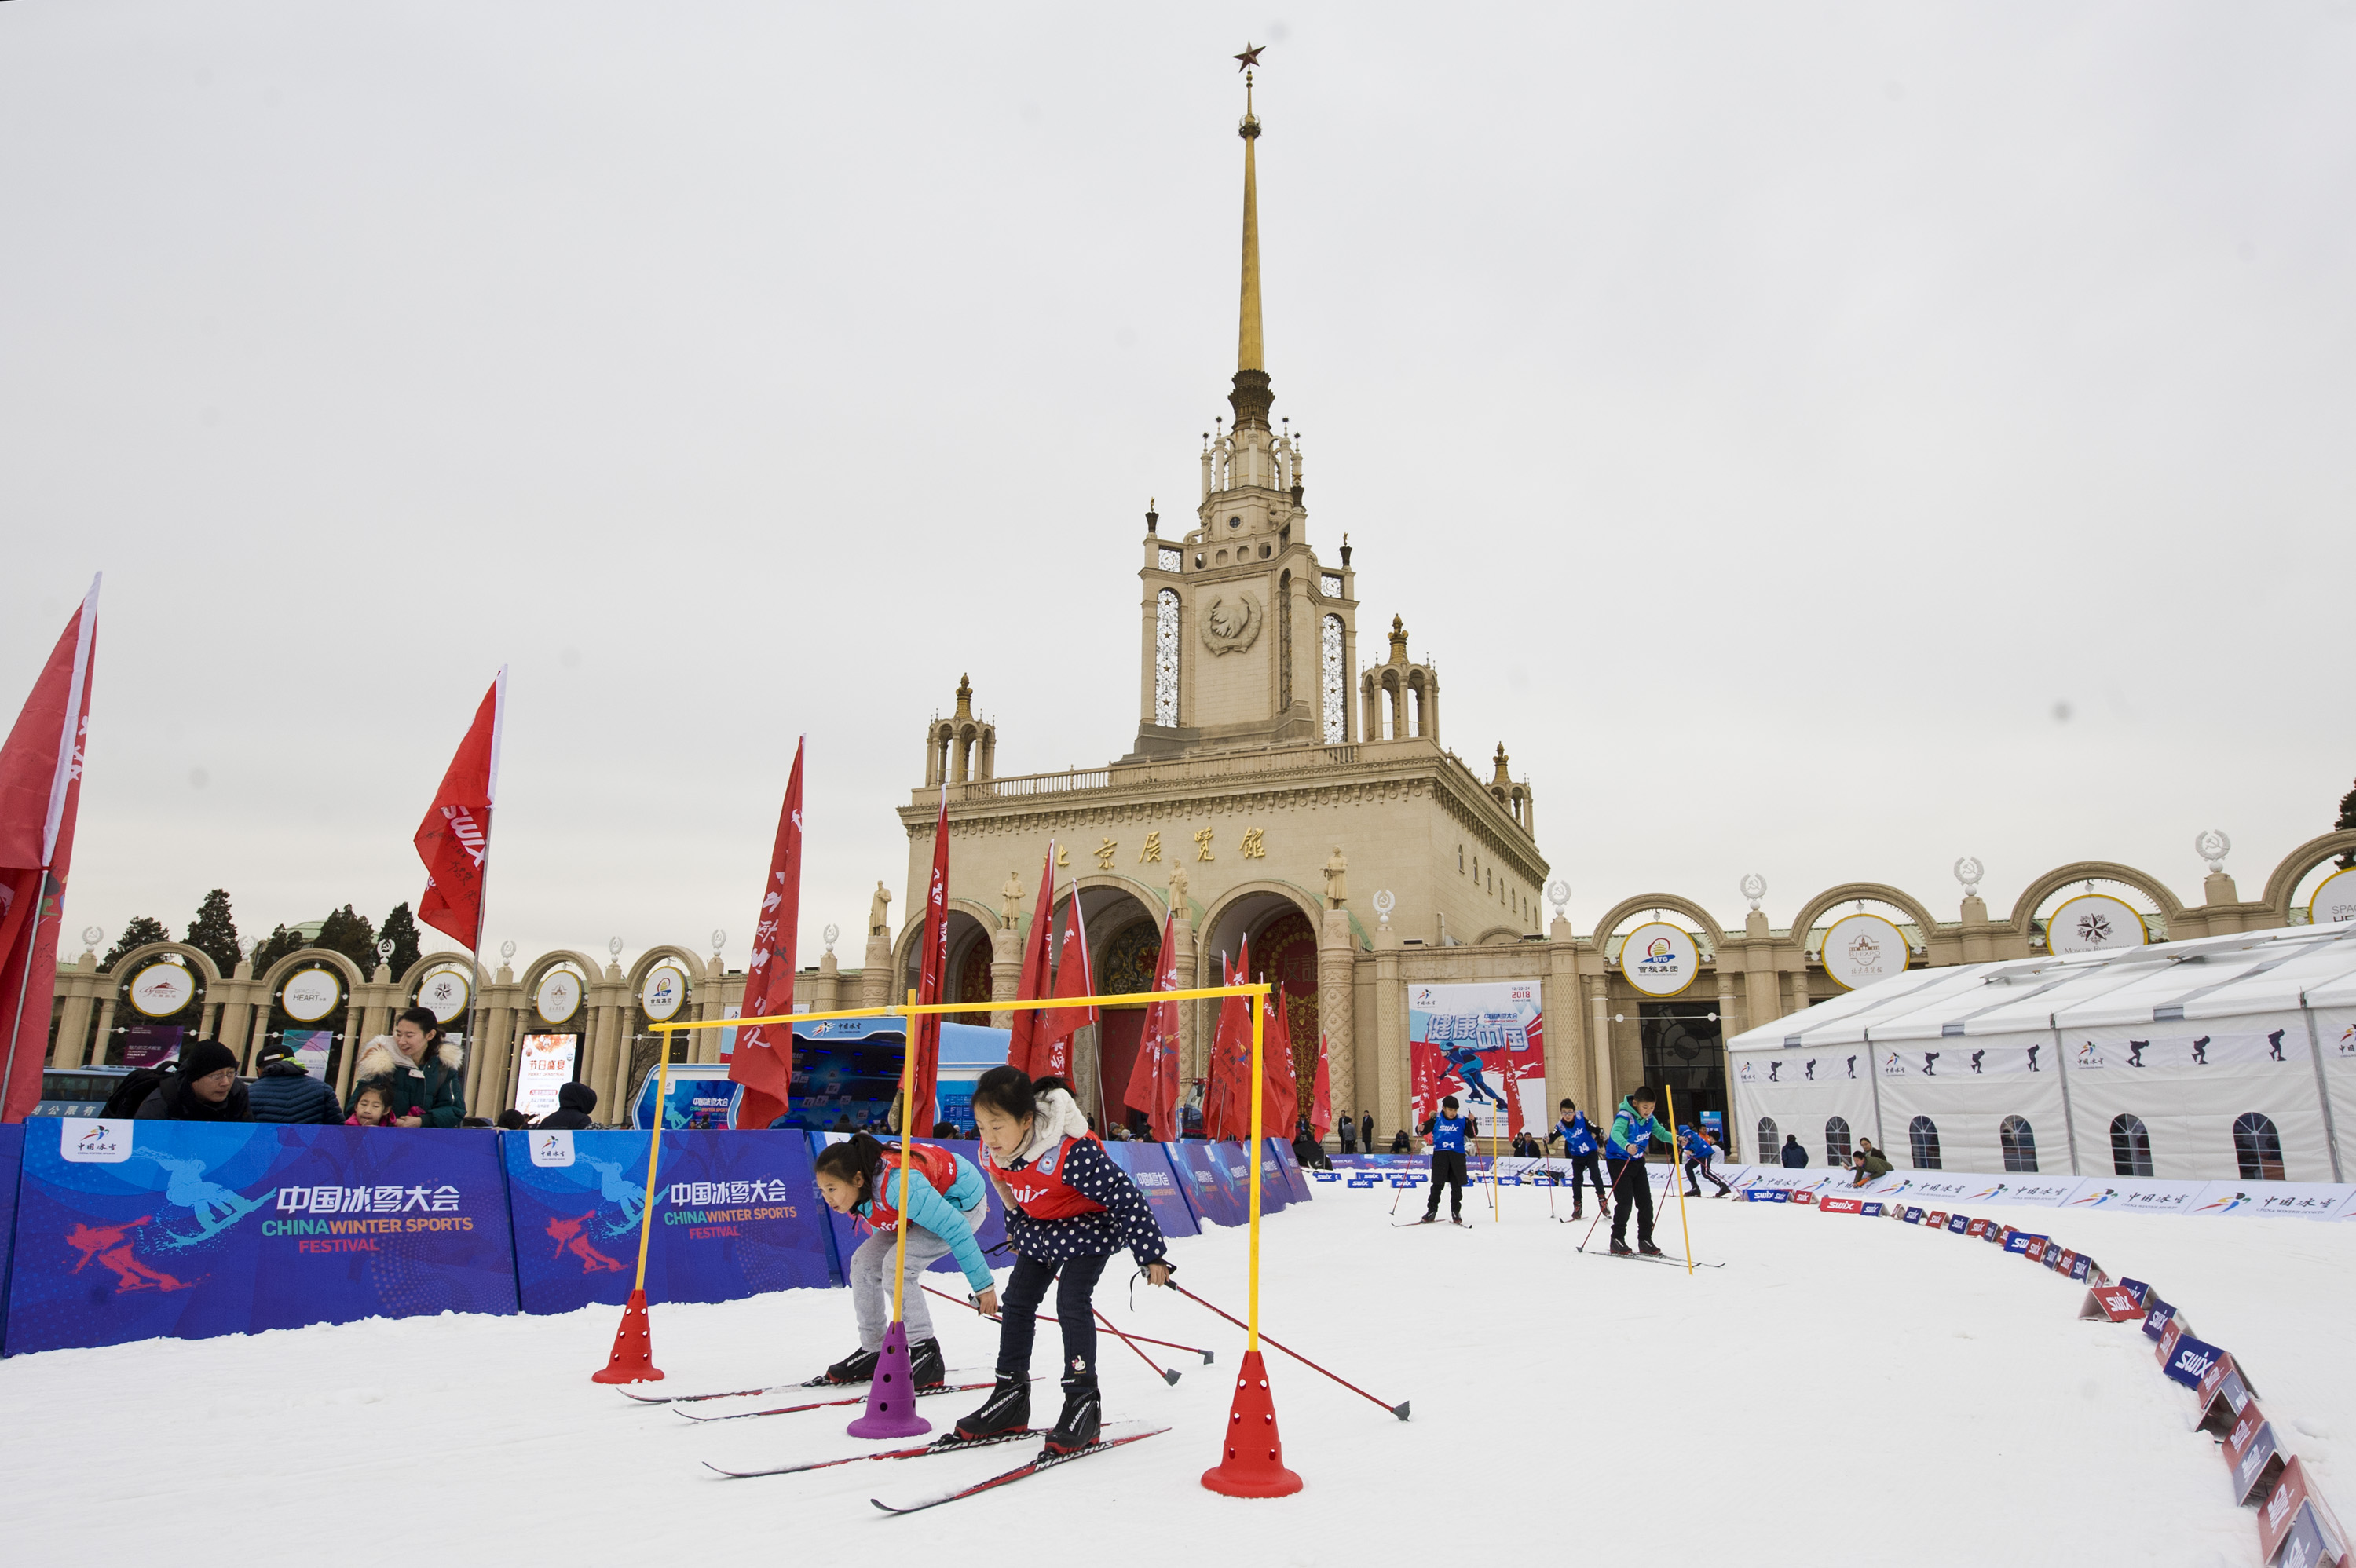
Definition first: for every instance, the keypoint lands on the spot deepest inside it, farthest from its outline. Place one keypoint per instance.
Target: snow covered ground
(1842, 1387)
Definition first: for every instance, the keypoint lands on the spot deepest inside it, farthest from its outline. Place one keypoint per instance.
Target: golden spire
(1251, 397)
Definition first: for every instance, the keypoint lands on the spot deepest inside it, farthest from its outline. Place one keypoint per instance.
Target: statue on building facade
(1337, 883)
(879, 912)
(1009, 901)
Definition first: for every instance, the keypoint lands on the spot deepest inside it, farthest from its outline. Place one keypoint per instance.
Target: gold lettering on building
(1202, 844)
(1104, 853)
(1153, 851)
(1253, 848)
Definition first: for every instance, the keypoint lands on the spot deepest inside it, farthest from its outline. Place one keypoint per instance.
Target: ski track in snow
(1844, 1386)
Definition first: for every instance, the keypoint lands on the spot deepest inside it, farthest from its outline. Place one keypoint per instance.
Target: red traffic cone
(633, 1361)
(1253, 1463)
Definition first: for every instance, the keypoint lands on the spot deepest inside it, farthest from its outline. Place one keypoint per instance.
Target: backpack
(136, 1085)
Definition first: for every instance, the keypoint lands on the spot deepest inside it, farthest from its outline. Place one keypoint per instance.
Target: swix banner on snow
(735, 1213)
(141, 1230)
(1482, 1043)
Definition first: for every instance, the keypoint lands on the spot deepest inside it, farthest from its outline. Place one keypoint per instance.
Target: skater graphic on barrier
(2201, 1051)
(216, 1207)
(110, 1246)
(1467, 1061)
(2135, 1051)
(2274, 1045)
(569, 1238)
(615, 1189)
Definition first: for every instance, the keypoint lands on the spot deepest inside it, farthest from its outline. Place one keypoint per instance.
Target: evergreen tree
(2347, 820)
(213, 932)
(353, 935)
(280, 942)
(400, 929)
(139, 932)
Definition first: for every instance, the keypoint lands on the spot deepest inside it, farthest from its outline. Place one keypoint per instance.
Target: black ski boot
(925, 1368)
(1082, 1416)
(1620, 1249)
(1646, 1249)
(1008, 1409)
(1430, 1218)
(859, 1367)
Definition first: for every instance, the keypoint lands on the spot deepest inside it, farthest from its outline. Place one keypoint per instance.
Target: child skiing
(1578, 1146)
(945, 1201)
(1700, 1151)
(1068, 1208)
(1451, 1135)
(1633, 1132)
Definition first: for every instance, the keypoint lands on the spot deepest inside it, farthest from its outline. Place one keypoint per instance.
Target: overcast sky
(1772, 419)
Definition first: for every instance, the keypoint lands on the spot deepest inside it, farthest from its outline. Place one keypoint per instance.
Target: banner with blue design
(1213, 1189)
(1149, 1166)
(187, 1229)
(1288, 1168)
(735, 1214)
(12, 1151)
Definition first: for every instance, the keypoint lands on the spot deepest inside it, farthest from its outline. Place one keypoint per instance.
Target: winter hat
(276, 1050)
(203, 1058)
(577, 1097)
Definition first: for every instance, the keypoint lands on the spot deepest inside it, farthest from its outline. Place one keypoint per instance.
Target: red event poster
(1484, 1044)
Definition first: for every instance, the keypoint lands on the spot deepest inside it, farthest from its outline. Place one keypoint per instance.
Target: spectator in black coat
(1349, 1131)
(1399, 1143)
(512, 1121)
(288, 1092)
(1366, 1133)
(1795, 1156)
(573, 1104)
(205, 1089)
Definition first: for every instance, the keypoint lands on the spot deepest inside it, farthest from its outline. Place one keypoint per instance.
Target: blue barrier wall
(143, 1230)
(849, 1232)
(118, 1230)
(735, 1214)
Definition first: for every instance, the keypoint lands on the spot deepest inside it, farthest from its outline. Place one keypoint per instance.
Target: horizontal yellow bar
(1125, 1000)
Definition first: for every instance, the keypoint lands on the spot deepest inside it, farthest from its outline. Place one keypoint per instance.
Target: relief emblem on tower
(1231, 619)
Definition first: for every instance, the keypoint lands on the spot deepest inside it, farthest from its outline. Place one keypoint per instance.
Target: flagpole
(483, 904)
(24, 985)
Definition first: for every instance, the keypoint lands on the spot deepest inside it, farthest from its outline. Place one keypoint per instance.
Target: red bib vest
(935, 1165)
(1040, 1189)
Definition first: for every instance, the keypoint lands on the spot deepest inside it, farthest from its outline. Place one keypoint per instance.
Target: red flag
(40, 798)
(1153, 1078)
(1280, 1092)
(1021, 1044)
(455, 839)
(1321, 1096)
(1227, 1112)
(1052, 1055)
(1513, 1077)
(923, 1067)
(762, 1059)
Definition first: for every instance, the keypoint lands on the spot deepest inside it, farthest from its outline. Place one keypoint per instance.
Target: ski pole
(1398, 1409)
(1604, 1208)
(1140, 1339)
(1168, 1376)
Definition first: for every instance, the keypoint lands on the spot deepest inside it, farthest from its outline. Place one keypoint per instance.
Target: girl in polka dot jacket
(1068, 1209)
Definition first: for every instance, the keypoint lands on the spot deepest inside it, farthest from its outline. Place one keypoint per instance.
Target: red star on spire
(1251, 56)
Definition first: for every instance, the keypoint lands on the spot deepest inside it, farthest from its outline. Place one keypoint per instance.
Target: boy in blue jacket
(1700, 1151)
(1450, 1135)
(1578, 1143)
(1633, 1132)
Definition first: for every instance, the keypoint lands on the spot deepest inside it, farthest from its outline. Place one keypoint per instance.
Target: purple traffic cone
(892, 1396)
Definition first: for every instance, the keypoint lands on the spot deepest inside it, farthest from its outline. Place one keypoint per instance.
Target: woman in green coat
(419, 1066)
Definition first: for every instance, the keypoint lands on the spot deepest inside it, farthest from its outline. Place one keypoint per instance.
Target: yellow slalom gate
(1258, 993)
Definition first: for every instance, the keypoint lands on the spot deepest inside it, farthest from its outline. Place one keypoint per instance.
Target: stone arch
(1878, 893)
(411, 978)
(1212, 932)
(537, 970)
(1627, 909)
(904, 968)
(1500, 935)
(198, 960)
(309, 958)
(2295, 866)
(2024, 911)
(688, 963)
(1152, 897)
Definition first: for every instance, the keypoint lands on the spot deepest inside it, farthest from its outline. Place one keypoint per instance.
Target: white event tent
(2220, 1058)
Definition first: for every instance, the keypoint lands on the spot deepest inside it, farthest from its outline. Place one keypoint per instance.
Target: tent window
(2019, 1141)
(2257, 1147)
(2130, 1146)
(1923, 1137)
(1835, 1141)
(1767, 1140)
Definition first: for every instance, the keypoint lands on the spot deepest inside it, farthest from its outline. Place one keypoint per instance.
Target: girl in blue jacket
(946, 1199)
(1579, 1143)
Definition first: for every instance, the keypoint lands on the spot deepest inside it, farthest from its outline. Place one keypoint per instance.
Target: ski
(773, 1388)
(823, 1403)
(1664, 1258)
(1045, 1461)
(946, 1444)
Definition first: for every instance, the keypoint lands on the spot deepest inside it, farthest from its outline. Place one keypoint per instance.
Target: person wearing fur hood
(418, 1066)
(1068, 1208)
